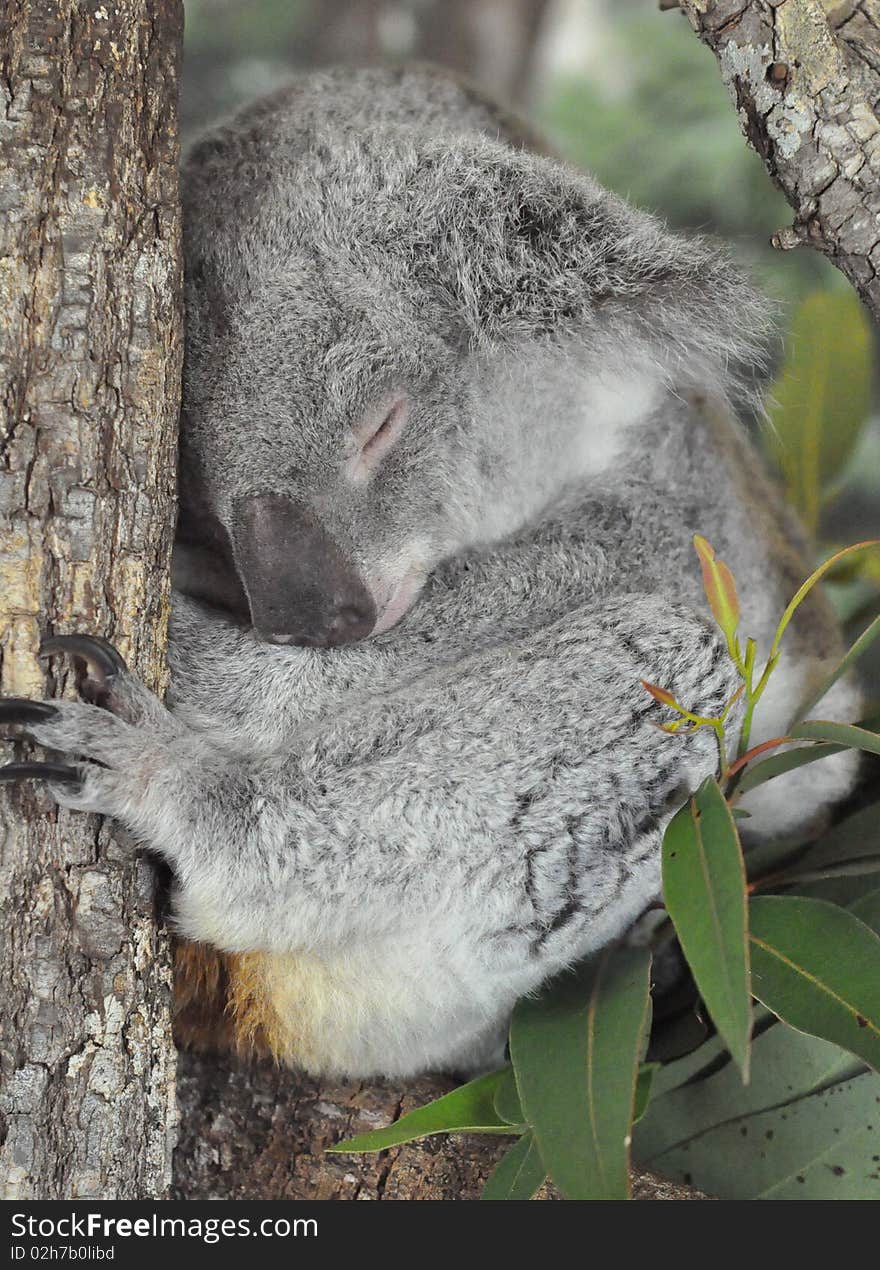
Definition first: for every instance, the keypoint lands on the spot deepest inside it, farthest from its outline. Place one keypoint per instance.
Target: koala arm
(514, 801)
(248, 696)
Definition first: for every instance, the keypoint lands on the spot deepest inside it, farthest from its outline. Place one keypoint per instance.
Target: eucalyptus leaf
(704, 889)
(786, 760)
(644, 1083)
(575, 1052)
(858, 834)
(861, 645)
(817, 967)
(822, 395)
(783, 761)
(786, 1066)
(827, 1138)
(867, 909)
(845, 734)
(468, 1109)
(506, 1100)
(519, 1174)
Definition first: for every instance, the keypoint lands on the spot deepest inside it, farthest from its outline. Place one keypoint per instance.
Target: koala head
(347, 297)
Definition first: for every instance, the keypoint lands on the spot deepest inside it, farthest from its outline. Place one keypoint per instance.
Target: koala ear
(525, 246)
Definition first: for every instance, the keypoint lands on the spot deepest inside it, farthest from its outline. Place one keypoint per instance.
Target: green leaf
(857, 867)
(575, 1052)
(720, 588)
(822, 396)
(861, 645)
(844, 734)
(826, 1138)
(858, 835)
(644, 1084)
(704, 889)
(757, 773)
(704, 1089)
(806, 587)
(817, 967)
(867, 909)
(519, 1174)
(468, 1109)
(506, 1100)
(778, 764)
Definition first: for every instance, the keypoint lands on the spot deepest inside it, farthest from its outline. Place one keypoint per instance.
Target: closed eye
(380, 442)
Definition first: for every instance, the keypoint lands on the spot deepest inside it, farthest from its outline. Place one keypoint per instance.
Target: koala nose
(352, 622)
(300, 586)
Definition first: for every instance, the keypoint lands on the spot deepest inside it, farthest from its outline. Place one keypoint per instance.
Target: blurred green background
(628, 92)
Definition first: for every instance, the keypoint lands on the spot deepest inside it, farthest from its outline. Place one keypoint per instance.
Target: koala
(452, 414)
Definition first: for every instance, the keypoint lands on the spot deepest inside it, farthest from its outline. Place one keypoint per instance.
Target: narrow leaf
(704, 889)
(867, 909)
(817, 967)
(660, 694)
(848, 735)
(468, 1109)
(804, 589)
(506, 1100)
(757, 773)
(519, 1174)
(644, 1084)
(575, 1052)
(814, 1147)
(720, 588)
(861, 645)
(704, 1091)
(821, 397)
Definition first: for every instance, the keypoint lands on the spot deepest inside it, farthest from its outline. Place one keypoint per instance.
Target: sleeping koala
(452, 414)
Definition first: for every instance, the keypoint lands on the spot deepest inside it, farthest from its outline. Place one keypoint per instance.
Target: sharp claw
(21, 710)
(102, 659)
(103, 663)
(54, 773)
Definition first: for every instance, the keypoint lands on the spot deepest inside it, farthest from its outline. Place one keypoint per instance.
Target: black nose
(353, 621)
(311, 623)
(301, 587)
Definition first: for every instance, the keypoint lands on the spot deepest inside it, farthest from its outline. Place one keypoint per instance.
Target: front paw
(120, 742)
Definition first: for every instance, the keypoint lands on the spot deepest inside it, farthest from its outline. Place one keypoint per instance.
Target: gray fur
(450, 811)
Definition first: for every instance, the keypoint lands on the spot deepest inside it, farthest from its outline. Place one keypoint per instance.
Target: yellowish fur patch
(256, 1004)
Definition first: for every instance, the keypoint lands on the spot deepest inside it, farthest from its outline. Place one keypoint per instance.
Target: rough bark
(90, 329)
(805, 79)
(255, 1132)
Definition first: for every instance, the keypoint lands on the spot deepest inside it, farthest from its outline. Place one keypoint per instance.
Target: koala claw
(99, 654)
(22, 711)
(102, 662)
(55, 773)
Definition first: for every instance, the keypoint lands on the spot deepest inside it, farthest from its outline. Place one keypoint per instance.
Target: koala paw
(120, 740)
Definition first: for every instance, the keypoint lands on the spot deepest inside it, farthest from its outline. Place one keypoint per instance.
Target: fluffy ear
(521, 245)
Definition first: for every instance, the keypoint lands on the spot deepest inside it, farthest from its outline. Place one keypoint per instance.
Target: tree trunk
(805, 79)
(252, 1131)
(90, 340)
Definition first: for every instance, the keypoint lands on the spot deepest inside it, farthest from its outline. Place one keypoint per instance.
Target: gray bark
(90, 331)
(805, 79)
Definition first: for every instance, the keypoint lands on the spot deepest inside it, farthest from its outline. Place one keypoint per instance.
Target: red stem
(755, 751)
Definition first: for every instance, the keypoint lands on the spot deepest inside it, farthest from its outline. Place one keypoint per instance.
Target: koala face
(369, 309)
(325, 436)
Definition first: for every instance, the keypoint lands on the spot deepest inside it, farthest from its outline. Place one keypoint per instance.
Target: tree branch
(805, 79)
